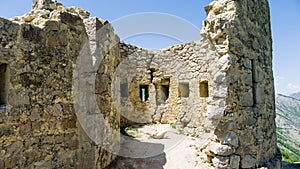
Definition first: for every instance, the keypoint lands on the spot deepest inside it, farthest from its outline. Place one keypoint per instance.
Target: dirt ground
(173, 151)
(162, 147)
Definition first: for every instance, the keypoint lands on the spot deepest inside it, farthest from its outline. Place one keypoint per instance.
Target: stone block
(220, 77)
(68, 123)
(73, 144)
(52, 25)
(33, 34)
(260, 94)
(243, 149)
(11, 162)
(25, 128)
(57, 39)
(214, 112)
(35, 114)
(1, 163)
(228, 126)
(221, 162)
(235, 162)
(6, 130)
(219, 149)
(246, 135)
(31, 141)
(230, 138)
(248, 162)
(247, 99)
(70, 19)
(18, 99)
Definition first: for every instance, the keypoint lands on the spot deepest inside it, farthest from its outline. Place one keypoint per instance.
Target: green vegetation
(181, 131)
(288, 157)
(288, 126)
(130, 131)
(289, 152)
(173, 125)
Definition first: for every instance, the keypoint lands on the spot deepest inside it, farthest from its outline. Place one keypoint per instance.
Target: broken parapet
(43, 4)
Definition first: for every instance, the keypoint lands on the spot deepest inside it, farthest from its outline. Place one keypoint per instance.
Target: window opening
(3, 85)
(254, 81)
(144, 92)
(165, 90)
(183, 90)
(204, 92)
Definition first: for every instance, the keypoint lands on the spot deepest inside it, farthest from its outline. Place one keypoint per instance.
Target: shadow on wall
(135, 154)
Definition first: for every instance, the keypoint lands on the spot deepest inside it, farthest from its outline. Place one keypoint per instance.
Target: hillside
(288, 126)
(296, 95)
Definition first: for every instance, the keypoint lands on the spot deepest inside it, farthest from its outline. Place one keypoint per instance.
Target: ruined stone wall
(186, 65)
(39, 53)
(235, 58)
(38, 126)
(104, 48)
(132, 72)
(245, 136)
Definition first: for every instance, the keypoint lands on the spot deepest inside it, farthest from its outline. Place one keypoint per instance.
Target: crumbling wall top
(43, 4)
(49, 10)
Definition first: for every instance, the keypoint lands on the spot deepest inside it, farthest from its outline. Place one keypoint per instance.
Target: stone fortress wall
(38, 124)
(245, 136)
(222, 85)
(180, 82)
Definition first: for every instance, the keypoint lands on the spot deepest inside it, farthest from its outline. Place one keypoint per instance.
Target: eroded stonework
(39, 126)
(221, 85)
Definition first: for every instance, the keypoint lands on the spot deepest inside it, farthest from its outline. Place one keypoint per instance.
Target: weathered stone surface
(222, 84)
(234, 161)
(1, 163)
(6, 130)
(230, 138)
(219, 149)
(248, 162)
(38, 126)
(69, 18)
(249, 77)
(220, 162)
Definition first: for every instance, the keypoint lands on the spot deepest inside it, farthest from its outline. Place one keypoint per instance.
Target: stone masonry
(245, 133)
(39, 52)
(68, 84)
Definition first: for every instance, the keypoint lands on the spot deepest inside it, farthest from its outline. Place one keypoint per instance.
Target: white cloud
(293, 87)
(279, 78)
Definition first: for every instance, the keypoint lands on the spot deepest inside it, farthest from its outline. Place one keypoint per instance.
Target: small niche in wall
(254, 82)
(144, 92)
(3, 85)
(204, 91)
(183, 90)
(124, 90)
(164, 90)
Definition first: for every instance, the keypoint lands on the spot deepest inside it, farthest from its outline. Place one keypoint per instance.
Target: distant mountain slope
(296, 95)
(288, 124)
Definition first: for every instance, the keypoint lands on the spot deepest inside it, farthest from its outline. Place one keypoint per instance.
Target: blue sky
(285, 20)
